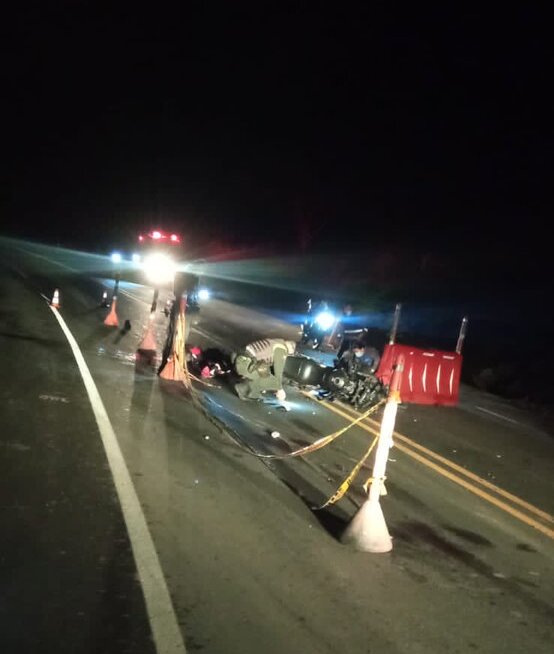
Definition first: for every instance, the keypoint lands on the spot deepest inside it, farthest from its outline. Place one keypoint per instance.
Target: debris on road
(54, 398)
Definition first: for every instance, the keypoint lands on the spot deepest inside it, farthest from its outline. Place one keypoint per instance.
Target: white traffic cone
(55, 300)
(368, 530)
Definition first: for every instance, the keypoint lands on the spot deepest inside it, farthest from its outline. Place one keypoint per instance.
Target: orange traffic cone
(55, 300)
(175, 368)
(148, 343)
(111, 319)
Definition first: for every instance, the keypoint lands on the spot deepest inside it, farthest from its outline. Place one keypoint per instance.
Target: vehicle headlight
(116, 257)
(204, 294)
(325, 320)
(159, 269)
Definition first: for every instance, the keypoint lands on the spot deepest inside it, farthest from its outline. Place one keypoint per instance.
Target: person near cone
(260, 366)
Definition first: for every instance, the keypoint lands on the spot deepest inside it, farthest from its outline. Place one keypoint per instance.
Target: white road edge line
(497, 415)
(19, 272)
(167, 634)
(41, 256)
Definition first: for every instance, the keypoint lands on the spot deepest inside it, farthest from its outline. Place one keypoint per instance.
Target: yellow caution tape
(371, 480)
(180, 347)
(325, 440)
(308, 449)
(202, 381)
(348, 481)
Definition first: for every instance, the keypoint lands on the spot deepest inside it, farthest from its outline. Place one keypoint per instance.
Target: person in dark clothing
(349, 330)
(360, 358)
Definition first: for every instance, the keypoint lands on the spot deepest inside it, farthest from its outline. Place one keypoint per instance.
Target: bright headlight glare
(116, 257)
(204, 294)
(325, 320)
(159, 269)
(136, 258)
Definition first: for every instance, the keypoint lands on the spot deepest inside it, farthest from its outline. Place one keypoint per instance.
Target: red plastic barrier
(430, 376)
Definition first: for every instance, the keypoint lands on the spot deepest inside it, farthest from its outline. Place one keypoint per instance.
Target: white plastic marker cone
(148, 343)
(112, 319)
(368, 530)
(55, 300)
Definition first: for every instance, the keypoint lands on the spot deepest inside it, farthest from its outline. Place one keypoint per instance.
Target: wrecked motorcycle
(353, 386)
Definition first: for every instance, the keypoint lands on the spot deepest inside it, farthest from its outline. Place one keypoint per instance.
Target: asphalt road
(248, 563)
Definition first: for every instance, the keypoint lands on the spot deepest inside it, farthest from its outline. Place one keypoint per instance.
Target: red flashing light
(156, 235)
(141, 238)
(175, 238)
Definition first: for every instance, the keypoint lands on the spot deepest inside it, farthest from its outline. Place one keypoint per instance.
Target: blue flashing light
(325, 320)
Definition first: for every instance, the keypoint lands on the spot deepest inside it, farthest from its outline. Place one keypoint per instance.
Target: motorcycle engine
(362, 391)
(338, 381)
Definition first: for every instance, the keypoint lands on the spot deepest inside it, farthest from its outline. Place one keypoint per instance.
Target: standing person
(313, 331)
(261, 367)
(349, 330)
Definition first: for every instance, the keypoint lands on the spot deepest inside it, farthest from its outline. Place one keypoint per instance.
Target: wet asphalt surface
(250, 566)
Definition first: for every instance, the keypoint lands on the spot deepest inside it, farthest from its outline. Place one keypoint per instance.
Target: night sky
(368, 125)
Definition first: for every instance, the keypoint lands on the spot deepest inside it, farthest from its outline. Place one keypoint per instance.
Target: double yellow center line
(534, 517)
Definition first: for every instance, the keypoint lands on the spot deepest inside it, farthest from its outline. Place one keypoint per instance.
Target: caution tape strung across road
(464, 478)
(343, 488)
(325, 440)
(201, 381)
(317, 445)
(181, 345)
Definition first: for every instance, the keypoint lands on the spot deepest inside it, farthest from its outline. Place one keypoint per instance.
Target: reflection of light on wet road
(120, 355)
(133, 297)
(122, 283)
(289, 405)
(233, 418)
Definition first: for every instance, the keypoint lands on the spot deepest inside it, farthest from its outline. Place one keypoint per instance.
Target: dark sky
(367, 123)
